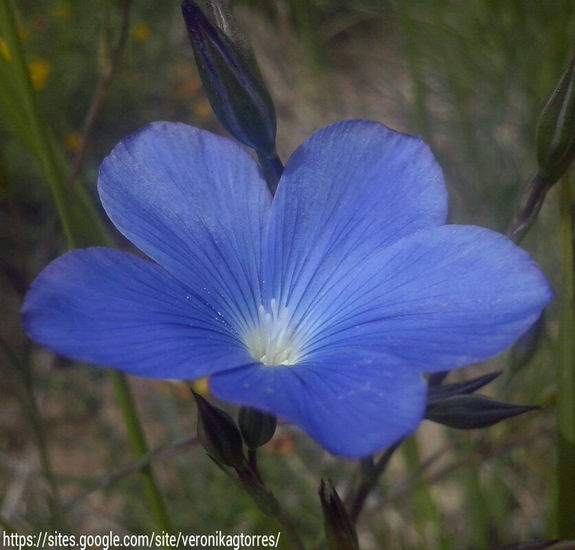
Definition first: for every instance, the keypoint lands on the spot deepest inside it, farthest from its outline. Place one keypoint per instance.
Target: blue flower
(325, 305)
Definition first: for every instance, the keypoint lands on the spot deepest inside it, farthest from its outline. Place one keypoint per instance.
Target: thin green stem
(255, 487)
(292, 534)
(529, 208)
(80, 223)
(140, 447)
(423, 503)
(371, 476)
(29, 104)
(565, 503)
(162, 452)
(477, 513)
(305, 14)
(253, 463)
(30, 406)
(417, 81)
(101, 91)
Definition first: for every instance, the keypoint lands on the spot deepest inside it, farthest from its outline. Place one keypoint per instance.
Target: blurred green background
(470, 77)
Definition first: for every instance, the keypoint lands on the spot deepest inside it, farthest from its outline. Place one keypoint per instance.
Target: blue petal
(111, 308)
(350, 404)
(195, 203)
(350, 189)
(439, 299)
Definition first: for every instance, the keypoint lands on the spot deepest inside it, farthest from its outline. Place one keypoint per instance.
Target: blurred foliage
(471, 77)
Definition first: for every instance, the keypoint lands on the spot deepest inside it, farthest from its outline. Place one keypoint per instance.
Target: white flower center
(272, 340)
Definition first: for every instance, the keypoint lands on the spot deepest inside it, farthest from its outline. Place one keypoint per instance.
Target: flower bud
(466, 412)
(443, 391)
(339, 531)
(219, 14)
(231, 79)
(218, 434)
(256, 427)
(556, 129)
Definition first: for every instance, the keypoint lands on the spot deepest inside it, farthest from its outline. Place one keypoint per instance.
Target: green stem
(565, 503)
(305, 15)
(140, 447)
(253, 463)
(255, 487)
(371, 475)
(30, 406)
(429, 522)
(80, 223)
(476, 511)
(292, 534)
(410, 32)
(29, 104)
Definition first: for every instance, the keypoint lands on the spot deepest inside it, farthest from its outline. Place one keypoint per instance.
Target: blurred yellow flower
(40, 70)
(201, 386)
(72, 141)
(5, 50)
(202, 108)
(141, 31)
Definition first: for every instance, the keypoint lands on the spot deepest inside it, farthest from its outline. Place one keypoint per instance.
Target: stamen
(272, 340)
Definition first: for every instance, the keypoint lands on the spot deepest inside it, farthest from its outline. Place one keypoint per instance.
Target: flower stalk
(29, 404)
(370, 478)
(140, 448)
(565, 494)
(80, 222)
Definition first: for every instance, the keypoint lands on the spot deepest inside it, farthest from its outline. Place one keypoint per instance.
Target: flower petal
(350, 189)
(195, 203)
(439, 299)
(350, 404)
(104, 306)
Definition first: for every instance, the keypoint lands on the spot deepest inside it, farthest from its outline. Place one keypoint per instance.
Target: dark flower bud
(555, 151)
(219, 14)
(231, 78)
(339, 530)
(256, 427)
(444, 391)
(556, 129)
(466, 412)
(218, 434)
